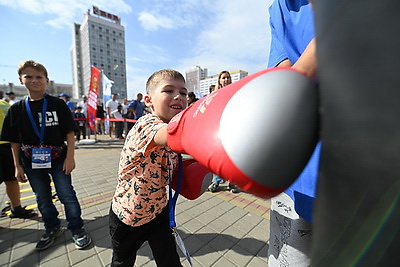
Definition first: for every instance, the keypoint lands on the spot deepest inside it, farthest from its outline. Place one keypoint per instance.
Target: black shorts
(7, 168)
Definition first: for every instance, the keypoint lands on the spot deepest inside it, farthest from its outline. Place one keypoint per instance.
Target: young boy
(119, 125)
(80, 123)
(41, 149)
(139, 209)
(7, 171)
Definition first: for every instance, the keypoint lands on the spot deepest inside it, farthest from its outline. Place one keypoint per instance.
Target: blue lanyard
(34, 125)
(173, 199)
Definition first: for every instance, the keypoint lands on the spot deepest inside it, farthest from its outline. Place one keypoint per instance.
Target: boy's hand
(20, 174)
(69, 165)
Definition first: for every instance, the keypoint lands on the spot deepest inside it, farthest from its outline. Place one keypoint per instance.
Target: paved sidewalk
(219, 229)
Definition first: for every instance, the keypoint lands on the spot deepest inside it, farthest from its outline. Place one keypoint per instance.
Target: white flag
(198, 94)
(107, 84)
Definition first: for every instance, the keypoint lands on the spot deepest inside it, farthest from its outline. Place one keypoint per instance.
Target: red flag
(92, 97)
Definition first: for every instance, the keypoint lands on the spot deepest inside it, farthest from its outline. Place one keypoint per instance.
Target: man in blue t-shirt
(137, 106)
(293, 45)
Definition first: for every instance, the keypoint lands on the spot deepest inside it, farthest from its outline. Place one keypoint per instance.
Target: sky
(213, 34)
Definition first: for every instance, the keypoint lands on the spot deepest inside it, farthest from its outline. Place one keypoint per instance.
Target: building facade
(99, 41)
(193, 77)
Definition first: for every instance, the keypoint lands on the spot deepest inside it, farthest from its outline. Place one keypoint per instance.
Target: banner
(92, 97)
(198, 94)
(107, 84)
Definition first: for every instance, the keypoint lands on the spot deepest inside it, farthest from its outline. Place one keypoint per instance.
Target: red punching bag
(258, 133)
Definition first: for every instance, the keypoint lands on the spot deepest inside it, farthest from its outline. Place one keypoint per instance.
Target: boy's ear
(147, 101)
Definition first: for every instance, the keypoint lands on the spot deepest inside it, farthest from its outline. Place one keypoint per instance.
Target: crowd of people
(113, 117)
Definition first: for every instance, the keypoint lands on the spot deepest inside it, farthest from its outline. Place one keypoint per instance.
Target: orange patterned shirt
(143, 174)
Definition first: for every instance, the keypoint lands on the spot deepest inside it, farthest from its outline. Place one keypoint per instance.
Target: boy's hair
(31, 64)
(157, 76)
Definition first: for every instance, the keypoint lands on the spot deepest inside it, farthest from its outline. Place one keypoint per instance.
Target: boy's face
(167, 99)
(35, 81)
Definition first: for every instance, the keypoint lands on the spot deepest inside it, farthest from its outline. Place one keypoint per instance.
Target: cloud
(173, 14)
(238, 39)
(220, 35)
(64, 13)
(152, 22)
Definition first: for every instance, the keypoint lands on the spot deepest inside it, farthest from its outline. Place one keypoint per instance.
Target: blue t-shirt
(138, 107)
(292, 28)
(70, 105)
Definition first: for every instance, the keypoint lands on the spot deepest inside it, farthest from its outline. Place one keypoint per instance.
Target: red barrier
(127, 120)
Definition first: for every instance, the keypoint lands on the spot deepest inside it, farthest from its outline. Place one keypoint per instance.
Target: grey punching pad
(282, 106)
(357, 214)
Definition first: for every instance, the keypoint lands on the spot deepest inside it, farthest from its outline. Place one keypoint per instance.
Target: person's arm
(69, 162)
(307, 62)
(132, 110)
(160, 138)
(132, 107)
(19, 170)
(285, 63)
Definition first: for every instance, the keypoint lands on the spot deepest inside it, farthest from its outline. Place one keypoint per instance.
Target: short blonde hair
(31, 64)
(157, 76)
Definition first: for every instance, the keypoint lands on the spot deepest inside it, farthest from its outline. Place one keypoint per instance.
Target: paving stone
(218, 229)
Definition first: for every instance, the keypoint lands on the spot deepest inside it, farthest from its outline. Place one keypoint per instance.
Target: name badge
(41, 158)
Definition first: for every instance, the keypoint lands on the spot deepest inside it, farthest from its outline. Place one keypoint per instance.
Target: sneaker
(48, 238)
(81, 239)
(213, 187)
(22, 213)
(233, 188)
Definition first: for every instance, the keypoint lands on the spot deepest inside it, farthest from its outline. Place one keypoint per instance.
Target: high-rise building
(99, 41)
(193, 77)
(236, 75)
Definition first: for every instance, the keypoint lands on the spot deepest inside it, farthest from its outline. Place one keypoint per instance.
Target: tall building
(99, 41)
(236, 75)
(193, 77)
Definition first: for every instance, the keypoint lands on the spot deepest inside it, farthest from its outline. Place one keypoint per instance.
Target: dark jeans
(39, 179)
(126, 241)
(80, 130)
(119, 125)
